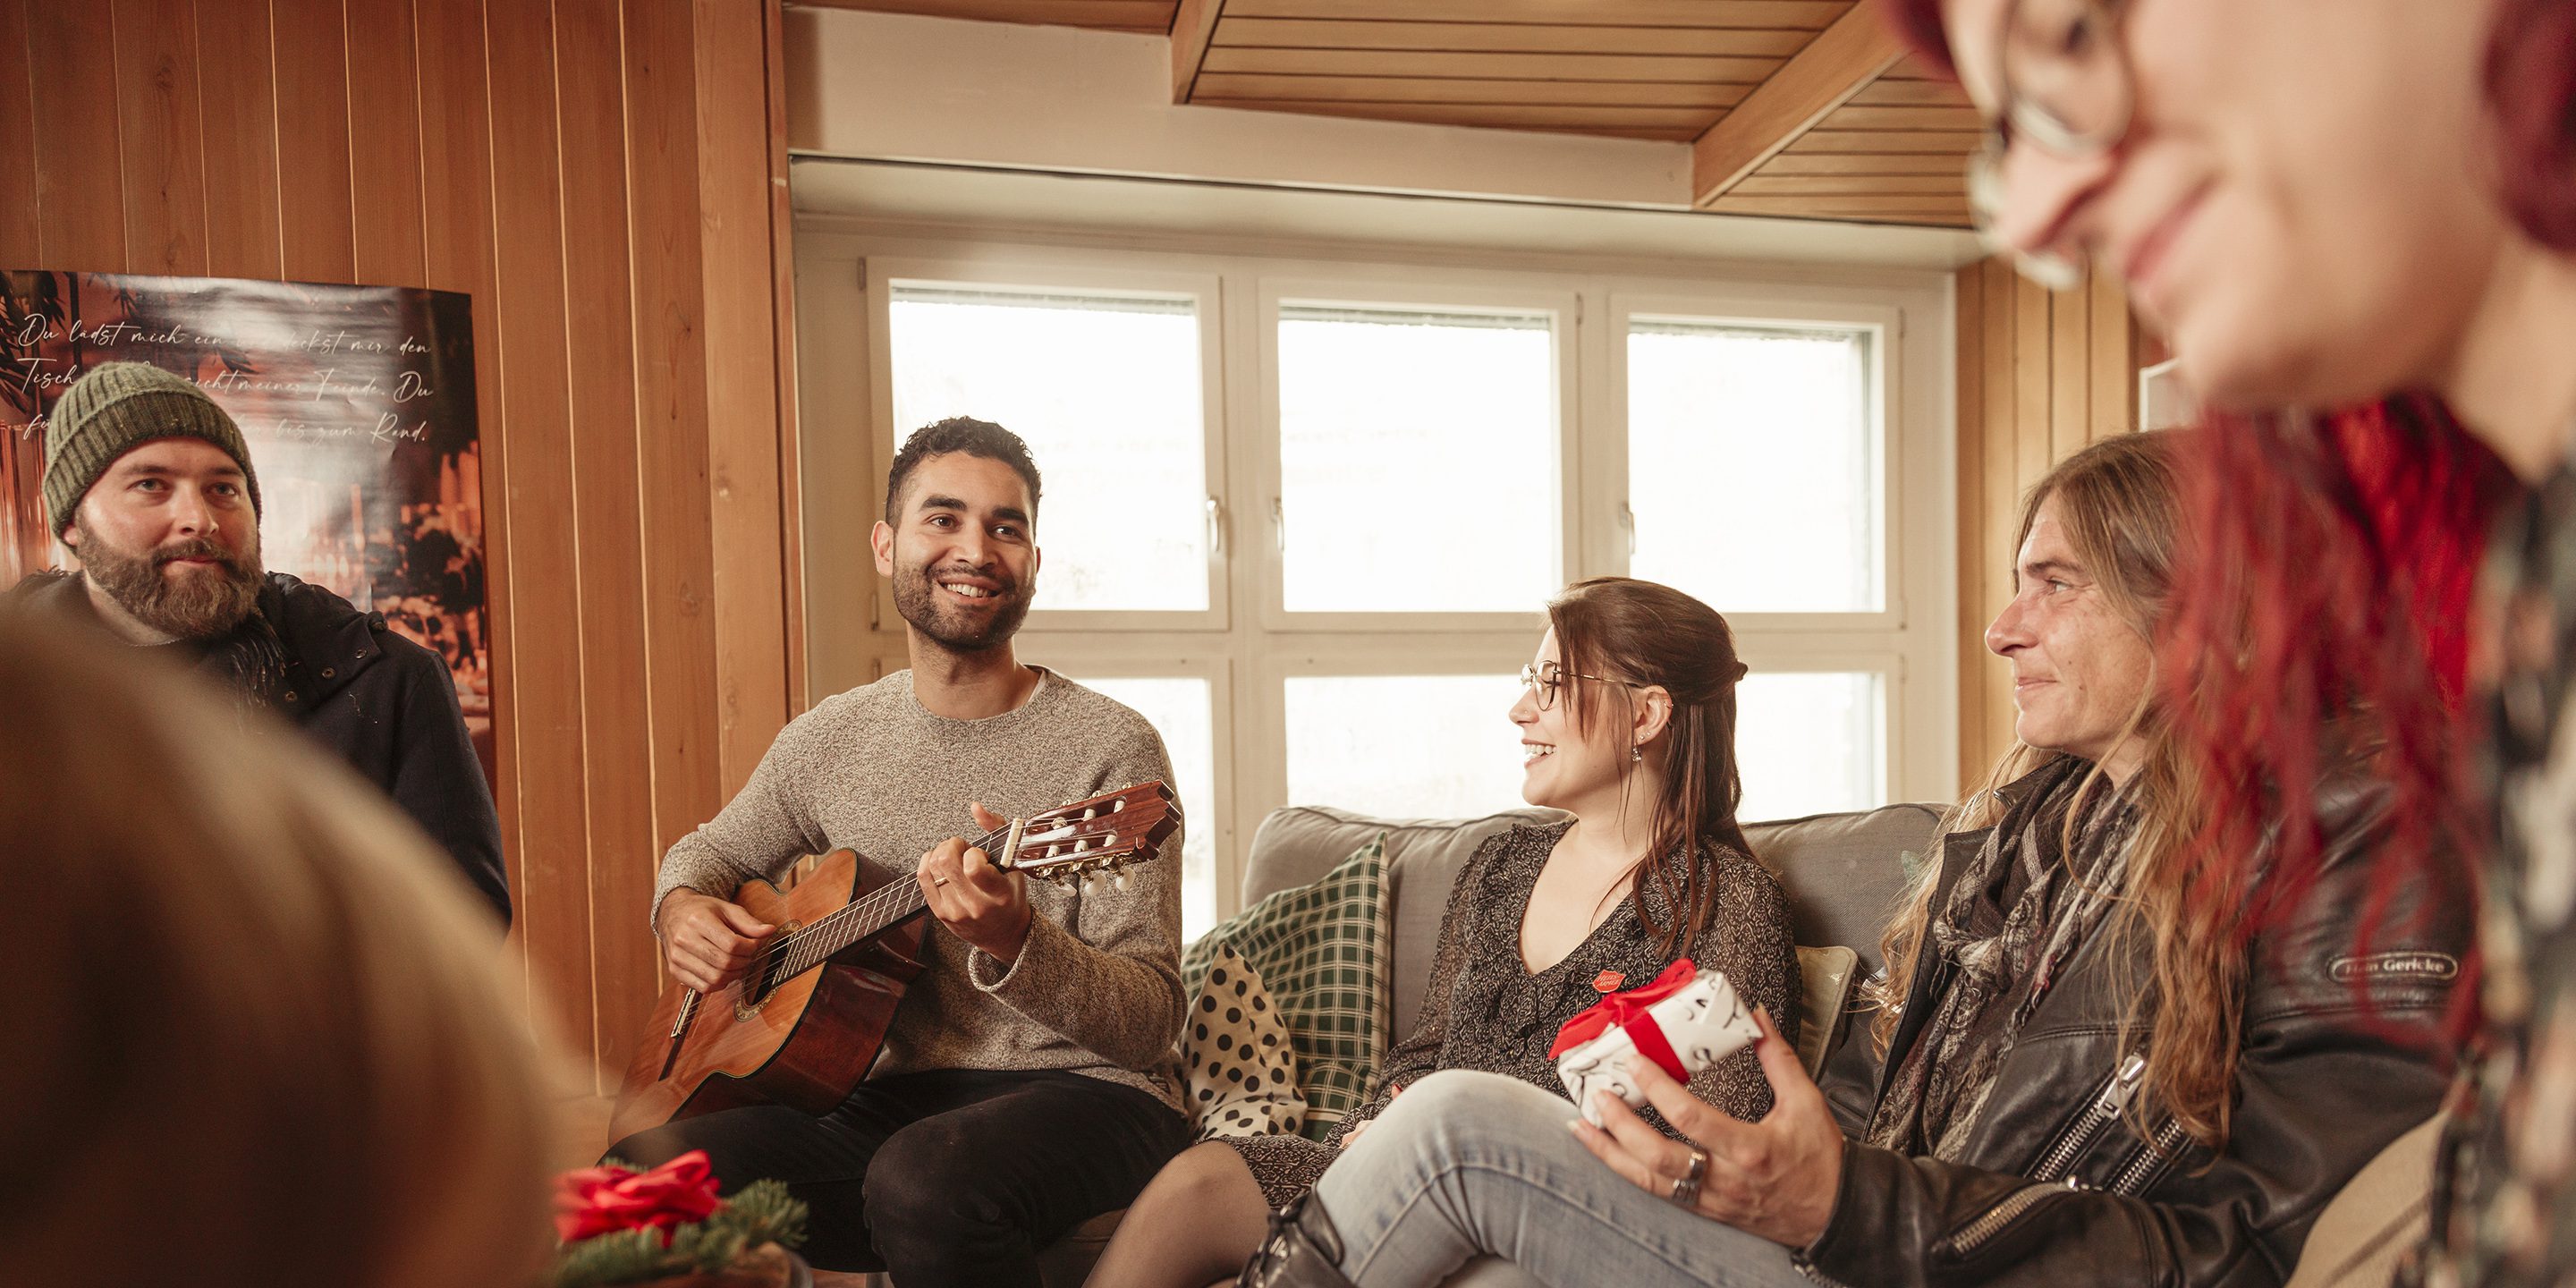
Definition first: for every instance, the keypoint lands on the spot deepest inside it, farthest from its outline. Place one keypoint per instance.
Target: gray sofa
(1843, 873)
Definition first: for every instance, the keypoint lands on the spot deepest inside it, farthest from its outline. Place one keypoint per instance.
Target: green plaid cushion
(1323, 951)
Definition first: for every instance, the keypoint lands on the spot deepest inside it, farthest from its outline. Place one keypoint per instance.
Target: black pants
(957, 1176)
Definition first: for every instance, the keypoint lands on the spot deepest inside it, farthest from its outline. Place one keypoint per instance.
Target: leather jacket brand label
(2414, 965)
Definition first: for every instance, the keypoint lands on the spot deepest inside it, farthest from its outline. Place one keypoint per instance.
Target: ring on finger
(939, 881)
(1698, 1166)
(1685, 1192)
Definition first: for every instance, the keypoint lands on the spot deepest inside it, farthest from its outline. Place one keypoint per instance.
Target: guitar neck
(878, 910)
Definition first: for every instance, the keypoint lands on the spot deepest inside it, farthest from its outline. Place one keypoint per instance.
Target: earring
(1636, 753)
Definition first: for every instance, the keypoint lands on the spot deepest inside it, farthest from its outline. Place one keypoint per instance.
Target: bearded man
(1021, 1087)
(150, 484)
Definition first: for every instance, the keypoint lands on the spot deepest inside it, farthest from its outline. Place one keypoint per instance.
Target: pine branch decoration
(762, 1212)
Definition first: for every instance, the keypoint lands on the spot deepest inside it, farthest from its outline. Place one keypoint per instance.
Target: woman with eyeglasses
(2367, 204)
(1627, 718)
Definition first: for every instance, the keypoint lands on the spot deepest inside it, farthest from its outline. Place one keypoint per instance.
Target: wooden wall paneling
(18, 236)
(545, 583)
(316, 213)
(750, 525)
(390, 242)
(80, 207)
(456, 203)
(1668, 124)
(1837, 64)
(1218, 87)
(2002, 505)
(2114, 378)
(237, 119)
(1194, 24)
(1533, 67)
(1969, 331)
(1112, 15)
(2070, 372)
(1531, 38)
(1811, 15)
(2032, 375)
(608, 612)
(162, 147)
(782, 292)
(671, 409)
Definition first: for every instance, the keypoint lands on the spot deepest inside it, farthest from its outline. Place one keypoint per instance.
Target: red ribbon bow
(1628, 1011)
(601, 1200)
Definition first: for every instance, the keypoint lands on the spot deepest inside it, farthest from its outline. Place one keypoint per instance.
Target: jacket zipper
(2161, 1144)
(2105, 1110)
(1994, 1220)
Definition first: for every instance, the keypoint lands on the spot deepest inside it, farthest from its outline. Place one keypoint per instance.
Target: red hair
(2323, 613)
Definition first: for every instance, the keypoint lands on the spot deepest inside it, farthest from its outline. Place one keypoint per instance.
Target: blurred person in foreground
(2353, 221)
(263, 1035)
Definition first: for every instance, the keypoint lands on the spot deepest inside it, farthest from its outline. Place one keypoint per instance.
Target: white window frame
(1246, 644)
(1203, 289)
(1560, 307)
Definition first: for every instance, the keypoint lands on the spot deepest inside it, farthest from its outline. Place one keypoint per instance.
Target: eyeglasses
(1546, 682)
(2067, 86)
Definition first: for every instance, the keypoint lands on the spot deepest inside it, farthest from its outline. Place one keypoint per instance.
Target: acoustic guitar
(803, 1022)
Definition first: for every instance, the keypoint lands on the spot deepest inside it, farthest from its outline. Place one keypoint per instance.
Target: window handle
(1216, 527)
(1628, 520)
(1279, 523)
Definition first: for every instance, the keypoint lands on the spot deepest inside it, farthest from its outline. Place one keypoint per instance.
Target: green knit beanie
(115, 408)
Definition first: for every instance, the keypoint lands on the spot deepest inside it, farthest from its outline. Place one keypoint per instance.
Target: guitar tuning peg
(1118, 881)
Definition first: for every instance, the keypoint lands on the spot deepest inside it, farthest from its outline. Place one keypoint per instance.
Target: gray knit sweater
(1097, 987)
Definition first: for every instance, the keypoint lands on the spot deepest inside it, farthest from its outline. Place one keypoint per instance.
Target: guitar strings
(794, 954)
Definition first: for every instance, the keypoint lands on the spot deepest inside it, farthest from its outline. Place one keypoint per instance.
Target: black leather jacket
(2058, 1186)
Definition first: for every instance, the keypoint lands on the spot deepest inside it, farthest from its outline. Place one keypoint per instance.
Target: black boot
(1302, 1251)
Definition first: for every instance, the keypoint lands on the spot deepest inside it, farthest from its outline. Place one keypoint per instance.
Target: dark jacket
(2058, 1185)
(387, 706)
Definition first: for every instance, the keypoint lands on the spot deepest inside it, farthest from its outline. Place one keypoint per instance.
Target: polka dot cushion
(1235, 1052)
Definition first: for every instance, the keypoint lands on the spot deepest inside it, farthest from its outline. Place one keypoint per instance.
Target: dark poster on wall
(358, 405)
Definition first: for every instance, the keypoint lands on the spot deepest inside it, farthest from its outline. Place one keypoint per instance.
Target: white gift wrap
(1704, 1021)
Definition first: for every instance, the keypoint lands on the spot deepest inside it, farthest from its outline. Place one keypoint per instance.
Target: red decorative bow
(602, 1200)
(1628, 1011)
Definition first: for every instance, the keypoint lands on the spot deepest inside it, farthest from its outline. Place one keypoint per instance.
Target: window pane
(1180, 710)
(1105, 391)
(1753, 467)
(1418, 461)
(1404, 746)
(1810, 742)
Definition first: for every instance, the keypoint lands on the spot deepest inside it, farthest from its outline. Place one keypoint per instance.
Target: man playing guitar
(1020, 1090)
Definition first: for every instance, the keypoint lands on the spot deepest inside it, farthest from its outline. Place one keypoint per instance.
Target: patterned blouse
(2504, 1203)
(1485, 1010)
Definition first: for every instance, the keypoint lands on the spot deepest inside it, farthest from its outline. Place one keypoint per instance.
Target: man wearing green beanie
(151, 485)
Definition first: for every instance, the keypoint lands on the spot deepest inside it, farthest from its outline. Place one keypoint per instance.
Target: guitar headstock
(1103, 833)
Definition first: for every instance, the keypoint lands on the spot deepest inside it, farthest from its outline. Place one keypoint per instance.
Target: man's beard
(195, 606)
(917, 597)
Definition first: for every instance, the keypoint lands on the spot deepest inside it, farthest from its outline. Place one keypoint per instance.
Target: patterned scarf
(2006, 956)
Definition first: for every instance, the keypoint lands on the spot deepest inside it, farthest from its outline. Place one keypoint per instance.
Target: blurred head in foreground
(262, 1035)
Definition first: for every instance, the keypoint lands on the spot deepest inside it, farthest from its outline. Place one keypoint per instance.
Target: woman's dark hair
(1653, 634)
(960, 434)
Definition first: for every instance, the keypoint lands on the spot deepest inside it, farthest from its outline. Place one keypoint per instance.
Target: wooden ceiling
(1799, 108)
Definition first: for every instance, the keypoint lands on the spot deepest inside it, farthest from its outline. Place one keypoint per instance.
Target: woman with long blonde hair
(261, 1034)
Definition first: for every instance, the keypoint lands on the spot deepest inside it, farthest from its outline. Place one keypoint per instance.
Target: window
(1404, 746)
(1305, 515)
(1182, 709)
(1105, 390)
(1417, 460)
(1753, 465)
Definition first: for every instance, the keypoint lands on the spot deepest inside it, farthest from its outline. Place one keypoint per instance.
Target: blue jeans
(1467, 1164)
